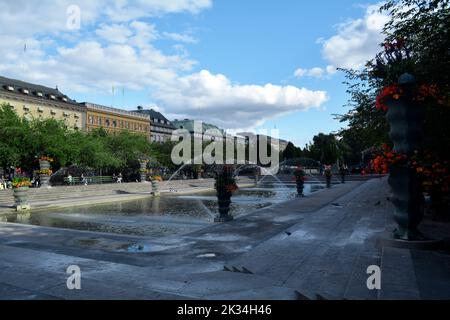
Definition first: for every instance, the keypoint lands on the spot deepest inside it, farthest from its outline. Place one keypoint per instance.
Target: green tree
(327, 149)
(13, 137)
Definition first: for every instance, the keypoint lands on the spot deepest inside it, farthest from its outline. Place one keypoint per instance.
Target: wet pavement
(321, 244)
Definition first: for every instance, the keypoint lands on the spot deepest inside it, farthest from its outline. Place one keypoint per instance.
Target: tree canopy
(417, 41)
(23, 141)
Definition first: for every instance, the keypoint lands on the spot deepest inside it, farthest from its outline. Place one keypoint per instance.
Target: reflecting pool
(156, 217)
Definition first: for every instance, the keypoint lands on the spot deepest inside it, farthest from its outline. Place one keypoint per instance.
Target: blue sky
(238, 64)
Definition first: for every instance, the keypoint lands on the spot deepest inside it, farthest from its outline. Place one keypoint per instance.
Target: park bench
(90, 180)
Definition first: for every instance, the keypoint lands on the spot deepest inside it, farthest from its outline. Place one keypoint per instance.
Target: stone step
(398, 278)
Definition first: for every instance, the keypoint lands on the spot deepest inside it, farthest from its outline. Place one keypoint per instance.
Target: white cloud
(121, 51)
(186, 38)
(114, 33)
(316, 72)
(210, 97)
(122, 10)
(356, 41)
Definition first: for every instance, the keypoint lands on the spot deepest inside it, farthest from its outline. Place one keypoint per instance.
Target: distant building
(207, 132)
(33, 101)
(282, 144)
(161, 128)
(115, 120)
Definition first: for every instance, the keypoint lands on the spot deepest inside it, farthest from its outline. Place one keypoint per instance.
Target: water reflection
(156, 216)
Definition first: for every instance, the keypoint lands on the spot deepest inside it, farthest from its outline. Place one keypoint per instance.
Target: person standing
(328, 175)
(343, 172)
(83, 180)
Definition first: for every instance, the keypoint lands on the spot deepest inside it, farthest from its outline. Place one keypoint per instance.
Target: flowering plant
(300, 175)
(433, 174)
(392, 62)
(20, 182)
(45, 158)
(157, 178)
(225, 180)
(380, 164)
(395, 92)
(47, 172)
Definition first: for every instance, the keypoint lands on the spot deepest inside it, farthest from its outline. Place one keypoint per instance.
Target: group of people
(118, 178)
(326, 170)
(84, 181)
(5, 183)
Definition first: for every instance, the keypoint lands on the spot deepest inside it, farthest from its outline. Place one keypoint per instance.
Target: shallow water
(161, 216)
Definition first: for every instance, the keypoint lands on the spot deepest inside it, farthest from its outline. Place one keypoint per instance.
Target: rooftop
(26, 89)
(155, 115)
(189, 125)
(115, 110)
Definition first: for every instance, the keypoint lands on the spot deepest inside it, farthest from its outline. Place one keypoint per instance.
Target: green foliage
(23, 141)
(422, 28)
(291, 152)
(13, 137)
(425, 27)
(327, 149)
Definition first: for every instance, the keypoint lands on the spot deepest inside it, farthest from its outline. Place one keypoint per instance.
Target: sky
(241, 65)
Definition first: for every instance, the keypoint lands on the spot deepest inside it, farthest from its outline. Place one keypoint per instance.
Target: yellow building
(114, 120)
(34, 101)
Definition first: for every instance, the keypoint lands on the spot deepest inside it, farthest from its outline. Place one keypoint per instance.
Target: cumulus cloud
(316, 72)
(116, 47)
(208, 96)
(49, 16)
(356, 41)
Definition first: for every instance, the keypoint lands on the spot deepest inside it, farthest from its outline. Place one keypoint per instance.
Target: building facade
(201, 130)
(277, 144)
(116, 120)
(161, 129)
(38, 102)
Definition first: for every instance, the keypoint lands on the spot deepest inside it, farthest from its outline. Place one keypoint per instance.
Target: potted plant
(143, 169)
(45, 172)
(406, 115)
(225, 186)
(155, 180)
(21, 186)
(300, 177)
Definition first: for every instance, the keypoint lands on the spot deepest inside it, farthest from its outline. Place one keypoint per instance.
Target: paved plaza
(307, 248)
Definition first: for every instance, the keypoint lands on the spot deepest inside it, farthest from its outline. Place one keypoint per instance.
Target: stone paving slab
(315, 245)
(8, 292)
